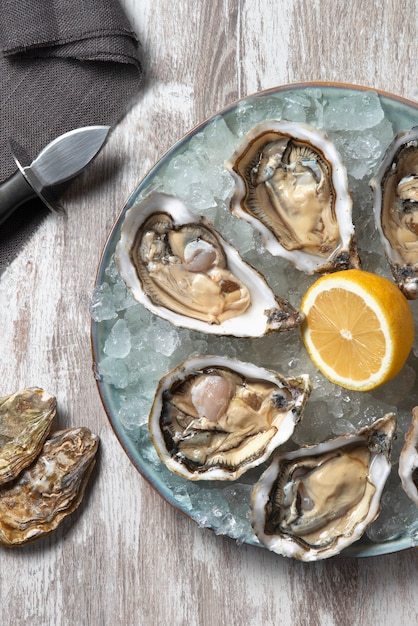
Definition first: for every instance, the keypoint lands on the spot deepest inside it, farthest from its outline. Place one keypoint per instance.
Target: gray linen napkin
(63, 64)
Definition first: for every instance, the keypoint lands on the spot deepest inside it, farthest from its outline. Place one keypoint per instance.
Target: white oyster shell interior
(408, 460)
(395, 187)
(182, 270)
(214, 418)
(315, 501)
(291, 185)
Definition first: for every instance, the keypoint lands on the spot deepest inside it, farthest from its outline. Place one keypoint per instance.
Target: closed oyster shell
(313, 502)
(291, 185)
(44, 494)
(214, 418)
(25, 421)
(395, 187)
(182, 270)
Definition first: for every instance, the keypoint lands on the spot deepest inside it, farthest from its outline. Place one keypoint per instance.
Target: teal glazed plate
(361, 121)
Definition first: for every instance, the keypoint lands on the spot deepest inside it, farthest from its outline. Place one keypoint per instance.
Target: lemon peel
(358, 329)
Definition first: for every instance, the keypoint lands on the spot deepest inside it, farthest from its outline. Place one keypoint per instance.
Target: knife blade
(62, 159)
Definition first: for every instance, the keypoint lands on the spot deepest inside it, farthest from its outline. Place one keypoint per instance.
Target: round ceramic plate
(132, 349)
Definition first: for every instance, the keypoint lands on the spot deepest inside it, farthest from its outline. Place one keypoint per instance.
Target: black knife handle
(13, 192)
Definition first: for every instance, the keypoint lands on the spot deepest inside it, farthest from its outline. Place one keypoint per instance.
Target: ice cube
(114, 372)
(215, 143)
(294, 108)
(182, 171)
(166, 339)
(357, 111)
(134, 411)
(248, 113)
(102, 306)
(137, 319)
(182, 496)
(199, 198)
(118, 343)
(362, 150)
(398, 514)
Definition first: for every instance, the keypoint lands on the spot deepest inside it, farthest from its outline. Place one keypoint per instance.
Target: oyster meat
(408, 460)
(25, 421)
(214, 418)
(181, 269)
(313, 502)
(50, 489)
(291, 185)
(395, 187)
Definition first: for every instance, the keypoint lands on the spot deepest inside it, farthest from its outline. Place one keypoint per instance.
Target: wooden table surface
(127, 557)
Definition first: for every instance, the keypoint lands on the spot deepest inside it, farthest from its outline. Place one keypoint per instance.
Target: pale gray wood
(126, 557)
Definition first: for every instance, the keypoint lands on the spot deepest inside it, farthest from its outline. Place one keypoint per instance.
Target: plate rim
(356, 550)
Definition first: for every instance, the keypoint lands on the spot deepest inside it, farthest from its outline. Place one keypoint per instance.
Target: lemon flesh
(359, 328)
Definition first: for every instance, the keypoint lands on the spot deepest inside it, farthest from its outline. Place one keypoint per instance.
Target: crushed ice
(139, 348)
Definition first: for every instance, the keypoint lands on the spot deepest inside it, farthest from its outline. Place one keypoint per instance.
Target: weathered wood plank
(127, 557)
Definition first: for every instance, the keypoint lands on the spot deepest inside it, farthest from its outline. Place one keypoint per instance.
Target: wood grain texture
(126, 557)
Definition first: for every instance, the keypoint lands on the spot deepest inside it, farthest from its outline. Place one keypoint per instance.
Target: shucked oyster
(395, 187)
(50, 489)
(214, 418)
(408, 460)
(291, 185)
(25, 421)
(313, 502)
(180, 268)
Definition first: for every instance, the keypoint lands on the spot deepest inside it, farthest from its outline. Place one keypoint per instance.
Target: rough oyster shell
(25, 421)
(291, 185)
(214, 418)
(180, 268)
(50, 489)
(313, 502)
(395, 187)
(408, 460)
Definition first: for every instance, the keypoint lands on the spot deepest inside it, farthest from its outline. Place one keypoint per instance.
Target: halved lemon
(359, 328)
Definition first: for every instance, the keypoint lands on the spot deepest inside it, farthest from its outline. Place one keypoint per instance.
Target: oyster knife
(62, 159)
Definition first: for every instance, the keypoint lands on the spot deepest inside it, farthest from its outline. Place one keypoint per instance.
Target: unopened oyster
(313, 502)
(395, 187)
(180, 268)
(50, 489)
(25, 421)
(408, 460)
(214, 418)
(291, 185)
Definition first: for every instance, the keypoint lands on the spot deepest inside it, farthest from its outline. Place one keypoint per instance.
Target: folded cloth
(63, 65)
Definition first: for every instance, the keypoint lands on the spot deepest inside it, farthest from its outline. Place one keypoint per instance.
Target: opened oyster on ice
(395, 187)
(408, 460)
(313, 502)
(182, 270)
(214, 418)
(291, 185)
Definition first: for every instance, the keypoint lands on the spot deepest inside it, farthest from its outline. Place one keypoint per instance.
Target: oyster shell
(408, 460)
(180, 268)
(50, 489)
(313, 502)
(395, 187)
(291, 185)
(215, 418)
(25, 421)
